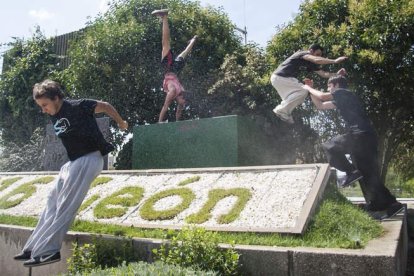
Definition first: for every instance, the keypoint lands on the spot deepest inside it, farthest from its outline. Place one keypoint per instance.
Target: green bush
(145, 269)
(198, 248)
(83, 259)
(101, 253)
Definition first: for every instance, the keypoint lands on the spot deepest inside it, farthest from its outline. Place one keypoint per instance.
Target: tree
(243, 88)
(378, 38)
(26, 63)
(118, 57)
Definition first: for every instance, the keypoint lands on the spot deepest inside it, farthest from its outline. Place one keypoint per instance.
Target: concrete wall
(384, 256)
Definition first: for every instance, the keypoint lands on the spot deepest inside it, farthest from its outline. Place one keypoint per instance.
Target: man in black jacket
(360, 142)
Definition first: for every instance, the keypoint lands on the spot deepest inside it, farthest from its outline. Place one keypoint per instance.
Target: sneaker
(351, 178)
(23, 256)
(377, 215)
(395, 209)
(160, 13)
(283, 116)
(43, 260)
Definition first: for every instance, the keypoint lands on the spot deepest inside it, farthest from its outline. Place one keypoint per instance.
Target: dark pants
(363, 150)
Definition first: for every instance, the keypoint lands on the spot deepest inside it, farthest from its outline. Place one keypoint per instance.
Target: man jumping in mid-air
(171, 85)
(284, 78)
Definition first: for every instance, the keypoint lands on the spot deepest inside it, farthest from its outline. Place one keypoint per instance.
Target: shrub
(145, 269)
(101, 253)
(198, 248)
(83, 259)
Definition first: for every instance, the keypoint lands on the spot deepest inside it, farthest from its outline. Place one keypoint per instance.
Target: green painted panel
(210, 142)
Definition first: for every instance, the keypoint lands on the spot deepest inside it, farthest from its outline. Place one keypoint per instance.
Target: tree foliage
(243, 88)
(378, 38)
(118, 57)
(26, 63)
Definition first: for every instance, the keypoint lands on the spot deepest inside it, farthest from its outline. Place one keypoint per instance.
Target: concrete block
(262, 260)
(212, 142)
(12, 242)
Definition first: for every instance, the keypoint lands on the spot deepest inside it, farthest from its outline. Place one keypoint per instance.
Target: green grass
(149, 213)
(337, 224)
(214, 196)
(5, 183)
(189, 180)
(88, 202)
(26, 190)
(118, 199)
(100, 180)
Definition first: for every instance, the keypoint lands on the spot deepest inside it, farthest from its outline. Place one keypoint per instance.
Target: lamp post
(244, 32)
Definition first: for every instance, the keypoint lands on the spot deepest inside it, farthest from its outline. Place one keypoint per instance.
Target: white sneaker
(283, 116)
(160, 13)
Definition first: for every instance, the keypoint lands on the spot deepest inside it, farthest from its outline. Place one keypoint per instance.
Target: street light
(244, 32)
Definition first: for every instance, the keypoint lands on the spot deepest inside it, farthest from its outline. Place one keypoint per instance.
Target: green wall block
(212, 142)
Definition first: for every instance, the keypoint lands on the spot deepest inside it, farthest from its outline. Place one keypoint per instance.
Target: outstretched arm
(189, 47)
(327, 75)
(322, 60)
(108, 109)
(320, 99)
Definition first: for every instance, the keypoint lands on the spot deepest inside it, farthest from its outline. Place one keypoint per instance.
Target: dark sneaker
(395, 209)
(23, 256)
(351, 178)
(43, 260)
(377, 215)
(160, 13)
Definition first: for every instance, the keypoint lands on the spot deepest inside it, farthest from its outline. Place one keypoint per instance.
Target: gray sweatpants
(63, 203)
(291, 92)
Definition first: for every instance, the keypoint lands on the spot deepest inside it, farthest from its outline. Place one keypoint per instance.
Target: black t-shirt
(352, 111)
(76, 126)
(291, 67)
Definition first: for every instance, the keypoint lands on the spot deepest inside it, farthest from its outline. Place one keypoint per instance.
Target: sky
(18, 18)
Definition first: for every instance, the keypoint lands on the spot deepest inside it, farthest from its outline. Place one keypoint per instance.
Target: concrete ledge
(384, 256)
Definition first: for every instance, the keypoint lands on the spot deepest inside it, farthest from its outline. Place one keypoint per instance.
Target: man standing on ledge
(360, 142)
(285, 81)
(75, 124)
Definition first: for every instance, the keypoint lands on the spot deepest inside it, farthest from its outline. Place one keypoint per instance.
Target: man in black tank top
(360, 141)
(285, 78)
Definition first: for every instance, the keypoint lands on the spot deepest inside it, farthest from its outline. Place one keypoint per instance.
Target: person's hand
(340, 59)
(308, 82)
(306, 87)
(123, 125)
(342, 72)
